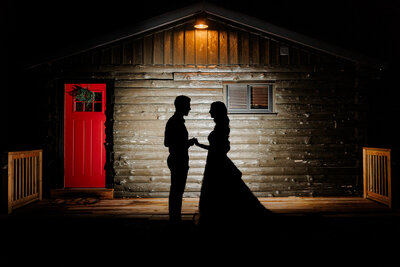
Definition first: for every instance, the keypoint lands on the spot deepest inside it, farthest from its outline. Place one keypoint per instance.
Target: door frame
(109, 112)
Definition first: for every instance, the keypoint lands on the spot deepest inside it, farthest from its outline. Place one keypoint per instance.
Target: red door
(84, 149)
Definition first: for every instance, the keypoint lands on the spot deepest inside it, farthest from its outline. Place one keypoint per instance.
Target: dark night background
(33, 31)
(38, 30)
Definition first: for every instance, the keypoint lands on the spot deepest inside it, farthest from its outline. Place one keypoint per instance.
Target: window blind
(237, 97)
(259, 97)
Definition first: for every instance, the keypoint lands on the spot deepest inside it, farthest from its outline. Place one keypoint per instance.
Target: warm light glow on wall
(201, 23)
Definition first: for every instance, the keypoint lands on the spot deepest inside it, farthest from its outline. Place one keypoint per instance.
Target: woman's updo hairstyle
(220, 114)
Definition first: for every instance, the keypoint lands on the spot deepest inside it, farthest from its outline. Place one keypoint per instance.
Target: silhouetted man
(176, 138)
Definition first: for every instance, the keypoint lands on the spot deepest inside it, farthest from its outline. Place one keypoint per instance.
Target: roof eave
(290, 36)
(175, 16)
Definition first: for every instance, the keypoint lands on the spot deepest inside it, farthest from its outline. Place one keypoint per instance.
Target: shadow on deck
(299, 229)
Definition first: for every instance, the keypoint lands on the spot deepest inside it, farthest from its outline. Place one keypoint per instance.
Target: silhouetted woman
(224, 198)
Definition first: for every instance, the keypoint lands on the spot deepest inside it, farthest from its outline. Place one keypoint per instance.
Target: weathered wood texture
(157, 208)
(310, 146)
(69, 193)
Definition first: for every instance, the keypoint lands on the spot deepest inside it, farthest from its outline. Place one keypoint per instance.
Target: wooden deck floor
(157, 208)
(304, 229)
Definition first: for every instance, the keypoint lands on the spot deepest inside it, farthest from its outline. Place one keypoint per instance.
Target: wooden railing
(377, 175)
(24, 178)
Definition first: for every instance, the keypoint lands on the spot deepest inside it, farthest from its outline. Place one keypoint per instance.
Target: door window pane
(97, 107)
(97, 96)
(78, 106)
(88, 107)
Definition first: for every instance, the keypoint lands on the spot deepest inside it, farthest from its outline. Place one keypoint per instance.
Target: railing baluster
(376, 174)
(25, 178)
(382, 175)
(385, 176)
(28, 180)
(379, 175)
(15, 179)
(19, 189)
(370, 175)
(31, 176)
(35, 175)
(22, 178)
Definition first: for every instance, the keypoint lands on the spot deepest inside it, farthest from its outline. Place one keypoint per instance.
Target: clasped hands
(193, 141)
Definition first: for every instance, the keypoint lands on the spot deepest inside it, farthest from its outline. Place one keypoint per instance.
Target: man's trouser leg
(178, 182)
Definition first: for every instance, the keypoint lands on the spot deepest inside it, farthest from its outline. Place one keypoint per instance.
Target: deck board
(334, 227)
(158, 207)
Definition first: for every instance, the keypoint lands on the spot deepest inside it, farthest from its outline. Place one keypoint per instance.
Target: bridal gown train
(225, 198)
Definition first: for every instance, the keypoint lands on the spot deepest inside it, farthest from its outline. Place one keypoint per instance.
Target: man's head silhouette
(182, 105)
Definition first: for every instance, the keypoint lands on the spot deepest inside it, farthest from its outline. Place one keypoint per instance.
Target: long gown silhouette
(225, 198)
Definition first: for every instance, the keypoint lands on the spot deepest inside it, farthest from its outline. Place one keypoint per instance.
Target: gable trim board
(222, 13)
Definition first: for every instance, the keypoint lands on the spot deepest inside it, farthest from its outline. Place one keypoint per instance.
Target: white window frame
(249, 110)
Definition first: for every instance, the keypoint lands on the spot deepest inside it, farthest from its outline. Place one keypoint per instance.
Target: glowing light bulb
(201, 26)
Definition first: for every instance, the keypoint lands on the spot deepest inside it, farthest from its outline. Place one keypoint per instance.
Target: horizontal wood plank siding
(309, 146)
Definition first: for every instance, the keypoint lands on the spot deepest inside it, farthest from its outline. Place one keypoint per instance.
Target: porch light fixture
(201, 23)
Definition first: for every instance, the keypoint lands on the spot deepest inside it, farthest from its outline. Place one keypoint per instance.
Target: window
(249, 98)
(95, 106)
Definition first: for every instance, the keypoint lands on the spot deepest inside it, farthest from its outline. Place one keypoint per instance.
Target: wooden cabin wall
(309, 146)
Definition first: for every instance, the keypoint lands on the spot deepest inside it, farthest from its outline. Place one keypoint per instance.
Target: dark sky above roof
(37, 27)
